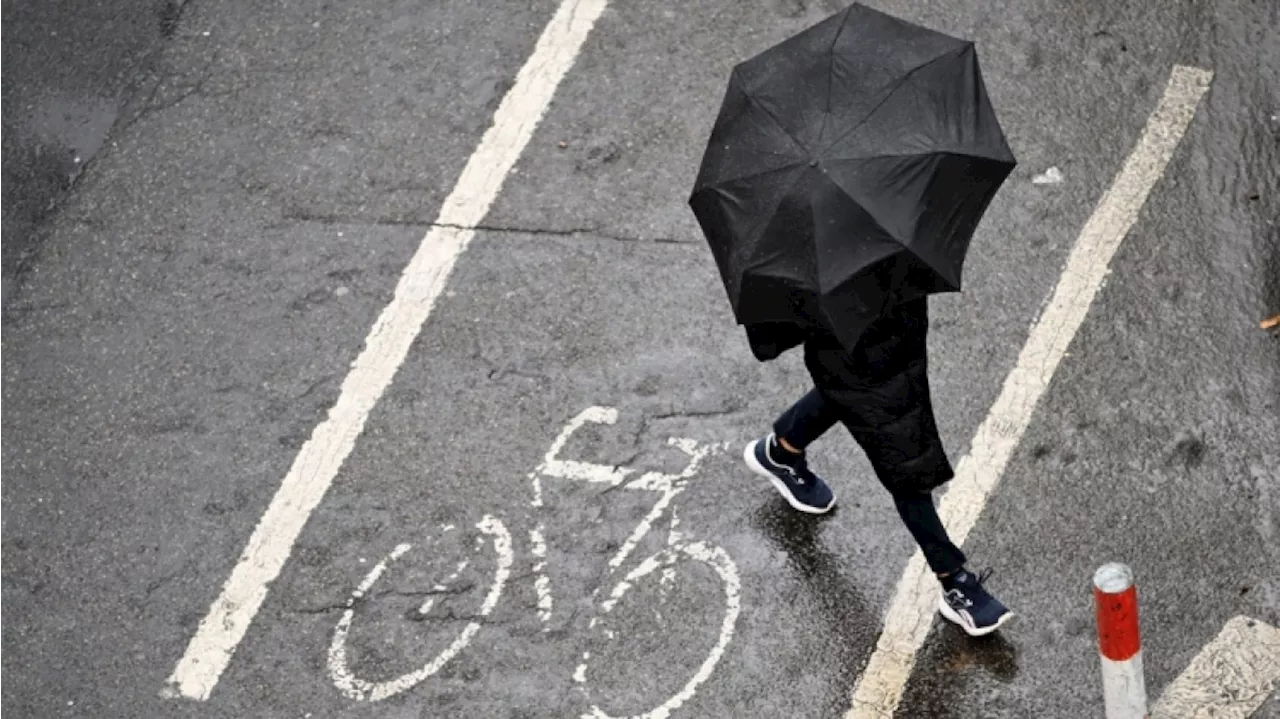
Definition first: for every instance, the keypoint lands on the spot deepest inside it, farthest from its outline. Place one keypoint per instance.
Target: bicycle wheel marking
(365, 690)
(724, 566)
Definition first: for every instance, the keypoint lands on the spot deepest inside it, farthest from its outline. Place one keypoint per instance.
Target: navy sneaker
(966, 604)
(802, 489)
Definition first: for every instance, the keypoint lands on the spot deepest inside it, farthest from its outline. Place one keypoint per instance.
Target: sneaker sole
(950, 615)
(749, 456)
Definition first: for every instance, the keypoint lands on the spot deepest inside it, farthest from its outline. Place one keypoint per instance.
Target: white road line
(1230, 678)
(911, 611)
(319, 460)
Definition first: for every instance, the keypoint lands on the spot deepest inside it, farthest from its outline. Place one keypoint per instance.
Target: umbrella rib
(777, 123)
(903, 81)
(782, 196)
(861, 204)
(752, 176)
(885, 155)
(880, 226)
(906, 243)
(831, 71)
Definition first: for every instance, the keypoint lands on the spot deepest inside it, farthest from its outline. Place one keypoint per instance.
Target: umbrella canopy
(847, 171)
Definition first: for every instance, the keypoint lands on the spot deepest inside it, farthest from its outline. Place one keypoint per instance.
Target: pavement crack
(578, 232)
(499, 373)
(314, 386)
(159, 582)
(697, 414)
(505, 229)
(451, 617)
(323, 608)
(150, 107)
(296, 214)
(615, 487)
(647, 420)
(436, 592)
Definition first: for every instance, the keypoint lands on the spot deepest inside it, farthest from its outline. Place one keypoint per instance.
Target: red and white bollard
(1124, 690)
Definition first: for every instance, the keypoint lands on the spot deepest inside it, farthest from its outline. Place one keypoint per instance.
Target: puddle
(50, 147)
(76, 125)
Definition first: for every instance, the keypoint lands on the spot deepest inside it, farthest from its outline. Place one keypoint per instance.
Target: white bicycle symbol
(661, 564)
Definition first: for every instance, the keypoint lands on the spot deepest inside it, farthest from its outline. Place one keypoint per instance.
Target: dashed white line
(911, 611)
(320, 458)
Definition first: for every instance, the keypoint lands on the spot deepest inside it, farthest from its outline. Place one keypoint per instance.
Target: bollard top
(1113, 578)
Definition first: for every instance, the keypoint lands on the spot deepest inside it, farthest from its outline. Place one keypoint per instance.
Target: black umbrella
(847, 171)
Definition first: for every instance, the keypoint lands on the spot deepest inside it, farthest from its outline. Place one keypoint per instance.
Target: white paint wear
(1230, 678)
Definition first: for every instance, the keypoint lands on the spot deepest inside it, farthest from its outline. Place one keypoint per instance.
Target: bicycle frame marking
(553, 466)
(668, 486)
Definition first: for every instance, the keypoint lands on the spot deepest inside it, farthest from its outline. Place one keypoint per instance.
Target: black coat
(769, 340)
(881, 390)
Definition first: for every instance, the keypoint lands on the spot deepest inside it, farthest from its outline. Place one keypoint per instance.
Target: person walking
(879, 390)
(843, 181)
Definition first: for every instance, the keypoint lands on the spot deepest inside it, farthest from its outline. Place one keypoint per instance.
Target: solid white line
(1230, 678)
(911, 611)
(385, 348)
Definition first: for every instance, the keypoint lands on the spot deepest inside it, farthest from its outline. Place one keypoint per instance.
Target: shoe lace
(799, 471)
(964, 597)
(798, 468)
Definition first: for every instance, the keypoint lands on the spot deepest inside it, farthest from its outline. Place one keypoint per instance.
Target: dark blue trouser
(812, 416)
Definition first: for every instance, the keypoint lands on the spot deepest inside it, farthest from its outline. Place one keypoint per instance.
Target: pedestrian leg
(805, 421)
(921, 518)
(780, 457)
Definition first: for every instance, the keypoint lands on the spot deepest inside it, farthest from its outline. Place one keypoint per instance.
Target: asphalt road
(186, 317)
(73, 68)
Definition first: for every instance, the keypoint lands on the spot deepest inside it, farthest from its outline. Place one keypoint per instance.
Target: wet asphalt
(72, 69)
(253, 179)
